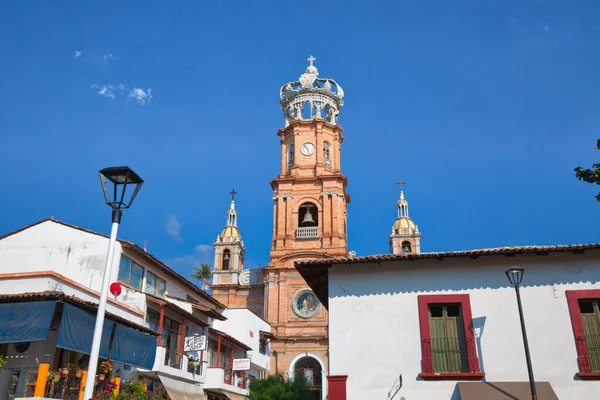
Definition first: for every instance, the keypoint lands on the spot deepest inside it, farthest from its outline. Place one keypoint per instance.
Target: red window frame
(427, 371)
(583, 355)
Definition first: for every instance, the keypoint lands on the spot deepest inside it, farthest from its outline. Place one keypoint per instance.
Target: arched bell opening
(406, 247)
(308, 215)
(226, 260)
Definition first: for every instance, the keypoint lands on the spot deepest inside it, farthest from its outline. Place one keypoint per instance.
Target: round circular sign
(305, 304)
(115, 289)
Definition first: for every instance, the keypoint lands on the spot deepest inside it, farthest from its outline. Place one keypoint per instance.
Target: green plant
(131, 390)
(590, 175)
(3, 361)
(106, 367)
(202, 274)
(276, 387)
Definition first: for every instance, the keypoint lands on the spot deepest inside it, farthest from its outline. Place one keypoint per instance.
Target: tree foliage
(276, 387)
(202, 274)
(590, 175)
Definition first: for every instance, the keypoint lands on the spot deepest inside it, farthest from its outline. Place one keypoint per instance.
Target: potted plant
(67, 368)
(3, 361)
(105, 368)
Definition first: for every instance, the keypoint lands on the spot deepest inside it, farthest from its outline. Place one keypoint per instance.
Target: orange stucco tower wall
(309, 213)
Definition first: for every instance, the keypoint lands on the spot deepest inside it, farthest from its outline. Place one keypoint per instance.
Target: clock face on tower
(307, 148)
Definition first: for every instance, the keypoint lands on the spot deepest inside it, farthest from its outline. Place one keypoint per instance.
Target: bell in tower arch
(308, 220)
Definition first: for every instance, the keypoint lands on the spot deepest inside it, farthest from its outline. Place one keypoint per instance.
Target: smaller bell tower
(229, 250)
(405, 237)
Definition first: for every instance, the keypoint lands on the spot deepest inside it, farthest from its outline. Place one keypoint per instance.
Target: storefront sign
(195, 343)
(241, 364)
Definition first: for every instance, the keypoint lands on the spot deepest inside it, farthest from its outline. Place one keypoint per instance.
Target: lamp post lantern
(515, 277)
(121, 179)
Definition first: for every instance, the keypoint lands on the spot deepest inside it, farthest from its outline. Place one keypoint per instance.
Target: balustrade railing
(307, 232)
(63, 385)
(17, 382)
(588, 352)
(449, 355)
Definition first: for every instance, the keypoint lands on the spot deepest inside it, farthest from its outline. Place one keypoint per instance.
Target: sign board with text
(241, 364)
(195, 343)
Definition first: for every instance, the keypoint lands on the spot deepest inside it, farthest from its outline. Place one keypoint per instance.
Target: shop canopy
(30, 321)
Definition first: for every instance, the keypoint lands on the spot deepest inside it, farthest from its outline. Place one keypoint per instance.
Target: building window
(448, 350)
(447, 343)
(130, 273)
(155, 285)
(327, 154)
(153, 319)
(213, 347)
(584, 308)
(226, 260)
(290, 155)
(171, 336)
(262, 346)
(406, 247)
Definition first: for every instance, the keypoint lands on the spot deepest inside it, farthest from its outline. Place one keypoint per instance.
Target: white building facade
(446, 325)
(55, 261)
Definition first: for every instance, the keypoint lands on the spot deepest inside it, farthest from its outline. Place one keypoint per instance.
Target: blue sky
(483, 107)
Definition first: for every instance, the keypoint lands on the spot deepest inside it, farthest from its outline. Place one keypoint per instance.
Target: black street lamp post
(515, 276)
(115, 182)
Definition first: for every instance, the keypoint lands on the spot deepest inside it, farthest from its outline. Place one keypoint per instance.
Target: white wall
(374, 323)
(239, 324)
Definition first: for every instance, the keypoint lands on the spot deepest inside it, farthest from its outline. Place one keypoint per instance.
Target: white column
(95, 351)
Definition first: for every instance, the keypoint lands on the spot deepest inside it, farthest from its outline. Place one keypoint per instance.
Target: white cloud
(77, 53)
(173, 227)
(202, 253)
(141, 96)
(109, 57)
(203, 249)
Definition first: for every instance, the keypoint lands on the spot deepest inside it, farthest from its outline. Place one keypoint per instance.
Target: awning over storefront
(133, 347)
(504, 390)
(180, 390)
(77, 331)
(25, 322)
(26, 317)
(223, 394)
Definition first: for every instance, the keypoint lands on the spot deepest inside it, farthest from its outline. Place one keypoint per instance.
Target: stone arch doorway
(310, 367)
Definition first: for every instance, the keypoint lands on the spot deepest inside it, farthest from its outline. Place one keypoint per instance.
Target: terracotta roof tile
(447, 254)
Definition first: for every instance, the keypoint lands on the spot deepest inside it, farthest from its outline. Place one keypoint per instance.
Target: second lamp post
(515, 276)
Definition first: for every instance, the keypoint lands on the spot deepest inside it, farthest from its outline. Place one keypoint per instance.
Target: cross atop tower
(400, 182)
(233, 193)
(311, 59)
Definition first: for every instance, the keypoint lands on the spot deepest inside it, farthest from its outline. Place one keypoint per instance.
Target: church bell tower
(309, 211)
(405, 236)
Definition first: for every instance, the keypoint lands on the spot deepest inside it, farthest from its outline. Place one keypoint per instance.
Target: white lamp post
(120, 178)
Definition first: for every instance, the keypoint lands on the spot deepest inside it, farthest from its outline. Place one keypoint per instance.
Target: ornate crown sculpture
(311, 97)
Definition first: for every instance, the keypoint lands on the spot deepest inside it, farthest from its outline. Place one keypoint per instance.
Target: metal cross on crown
(400, 182)
(311, 59)
(233, 193)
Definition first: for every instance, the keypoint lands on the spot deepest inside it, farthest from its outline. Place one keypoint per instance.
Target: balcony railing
(588, 353)
(307, 232)
(449, 355)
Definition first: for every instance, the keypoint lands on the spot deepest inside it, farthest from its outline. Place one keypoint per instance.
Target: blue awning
(25, 322)
(76, 331)
(133, 347)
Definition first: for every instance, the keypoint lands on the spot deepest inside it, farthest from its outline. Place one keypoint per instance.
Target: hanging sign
(194, 343)
(241, 364)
